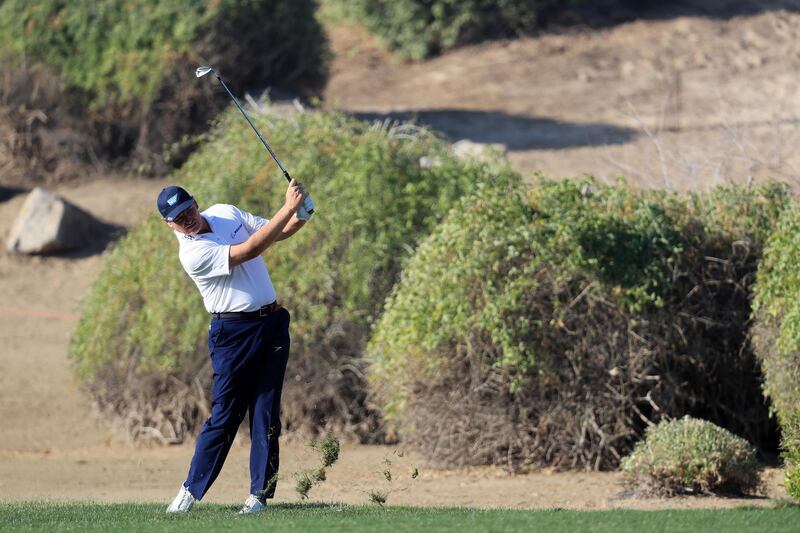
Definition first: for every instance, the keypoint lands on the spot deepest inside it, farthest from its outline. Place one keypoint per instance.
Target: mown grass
(330, 517)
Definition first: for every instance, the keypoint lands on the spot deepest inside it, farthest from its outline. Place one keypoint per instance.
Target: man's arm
(271, 231)
(291, 228)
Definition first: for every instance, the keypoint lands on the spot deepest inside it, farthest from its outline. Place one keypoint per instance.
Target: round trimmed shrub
(777, 335)
(127, 67)
(140, 347)
(689, 455)
(549, 327)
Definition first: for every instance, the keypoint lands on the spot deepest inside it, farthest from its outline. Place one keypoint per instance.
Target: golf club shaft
(307, 203)
(261, 137)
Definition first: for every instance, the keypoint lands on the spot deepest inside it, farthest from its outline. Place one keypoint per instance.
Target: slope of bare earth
(685, 103)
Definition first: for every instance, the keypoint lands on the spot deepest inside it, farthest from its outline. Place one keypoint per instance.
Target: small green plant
(319, 475)
(393, 477)
(690, 456)
(328, 449)
(379, 497)
(304, 484)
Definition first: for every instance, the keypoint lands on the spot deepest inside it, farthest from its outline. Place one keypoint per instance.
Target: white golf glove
(306, 210)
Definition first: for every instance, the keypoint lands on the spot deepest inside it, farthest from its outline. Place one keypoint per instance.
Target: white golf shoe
(182, 503)
(253, 505)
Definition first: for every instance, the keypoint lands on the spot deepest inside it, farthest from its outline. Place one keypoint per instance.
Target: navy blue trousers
(249, 359)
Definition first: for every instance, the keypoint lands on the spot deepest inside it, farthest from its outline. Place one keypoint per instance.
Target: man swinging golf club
(248, 338)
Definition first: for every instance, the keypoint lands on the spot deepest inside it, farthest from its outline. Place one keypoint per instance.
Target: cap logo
(172, 199)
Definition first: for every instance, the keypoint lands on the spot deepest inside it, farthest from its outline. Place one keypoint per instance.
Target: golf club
(201, 71)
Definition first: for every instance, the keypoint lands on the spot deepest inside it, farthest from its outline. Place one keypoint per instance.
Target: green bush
(140, 346)
(548, 328)
(777, 335)
(777, 313)
(127, 66)
(791, 454)
(690, 456)
(417, 29)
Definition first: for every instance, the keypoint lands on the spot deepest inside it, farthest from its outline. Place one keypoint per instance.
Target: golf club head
(202, 70)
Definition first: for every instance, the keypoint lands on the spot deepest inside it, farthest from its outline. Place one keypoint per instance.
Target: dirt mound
(683, 103)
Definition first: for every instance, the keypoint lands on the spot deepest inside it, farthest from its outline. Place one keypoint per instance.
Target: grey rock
(430, 161)
(472, 150)
(48, 224)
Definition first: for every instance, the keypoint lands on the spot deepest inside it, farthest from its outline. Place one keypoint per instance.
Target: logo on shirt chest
(233, 235)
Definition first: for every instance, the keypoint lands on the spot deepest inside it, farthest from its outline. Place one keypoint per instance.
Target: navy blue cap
(172, 201)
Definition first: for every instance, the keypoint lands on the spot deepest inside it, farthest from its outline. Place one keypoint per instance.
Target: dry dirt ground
(685, 103)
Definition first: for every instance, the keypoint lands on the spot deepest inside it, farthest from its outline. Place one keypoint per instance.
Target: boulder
(49, 224)
(430, 161)
(472, 150)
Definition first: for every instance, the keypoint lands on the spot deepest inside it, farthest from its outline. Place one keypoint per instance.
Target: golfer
(248, 338)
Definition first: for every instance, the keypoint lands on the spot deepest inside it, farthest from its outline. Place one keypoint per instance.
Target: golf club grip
(308, 203)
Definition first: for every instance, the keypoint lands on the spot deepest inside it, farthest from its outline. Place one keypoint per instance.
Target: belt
(265, 310)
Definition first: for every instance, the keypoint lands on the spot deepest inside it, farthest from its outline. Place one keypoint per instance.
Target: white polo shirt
(245, 287)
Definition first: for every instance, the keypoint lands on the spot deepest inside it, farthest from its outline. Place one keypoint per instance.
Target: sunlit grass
(332, 517)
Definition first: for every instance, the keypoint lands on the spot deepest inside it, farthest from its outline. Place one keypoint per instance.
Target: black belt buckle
(268, 309)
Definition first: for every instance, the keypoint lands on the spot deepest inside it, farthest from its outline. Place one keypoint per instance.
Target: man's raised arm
(272, 231)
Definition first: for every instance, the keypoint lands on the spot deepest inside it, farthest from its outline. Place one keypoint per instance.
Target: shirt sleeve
(251, 222)
(205, 259)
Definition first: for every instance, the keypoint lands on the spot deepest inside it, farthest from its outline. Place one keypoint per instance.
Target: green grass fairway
(300, 517)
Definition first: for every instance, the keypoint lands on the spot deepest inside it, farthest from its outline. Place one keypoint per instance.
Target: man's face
(188, 221)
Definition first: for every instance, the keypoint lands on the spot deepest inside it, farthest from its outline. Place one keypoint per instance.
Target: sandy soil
(683, 103)
(52, 447)
(686, 103)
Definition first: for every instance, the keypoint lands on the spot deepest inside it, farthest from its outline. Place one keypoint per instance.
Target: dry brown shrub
(41, 141)
(619, 373)
(127, 96)
(604, 371)
(156, 408)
